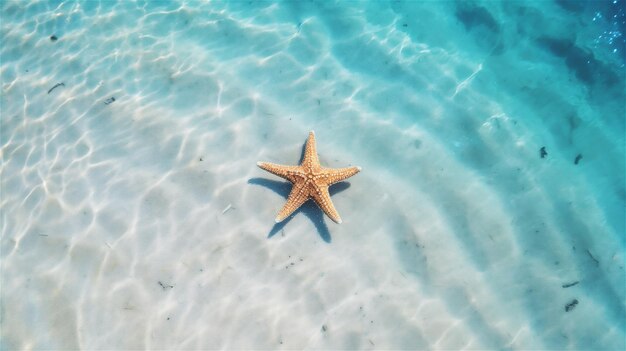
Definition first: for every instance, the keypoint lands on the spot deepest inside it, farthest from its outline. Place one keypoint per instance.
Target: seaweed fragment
(56, 86)
(542, 152)
(593, 258)
(578, 158)
(570, 306)
(567, 285)
(109, 100)
(165, 286)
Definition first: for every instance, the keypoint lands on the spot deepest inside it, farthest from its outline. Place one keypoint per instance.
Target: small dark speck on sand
(323, 328)
(570, 306)
(405, 25)
(53, 38)
(109, 100)
(578, 158)
(542, 152)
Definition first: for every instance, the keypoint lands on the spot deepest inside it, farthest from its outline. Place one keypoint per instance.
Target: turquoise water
(489, 213)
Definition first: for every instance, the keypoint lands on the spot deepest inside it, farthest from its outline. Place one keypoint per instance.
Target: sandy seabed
(134, 216)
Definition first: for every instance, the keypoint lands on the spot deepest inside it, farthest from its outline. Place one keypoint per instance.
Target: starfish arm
(322, 199)
(310, 152)
(286, 172)
(334, 175)
(297, 197)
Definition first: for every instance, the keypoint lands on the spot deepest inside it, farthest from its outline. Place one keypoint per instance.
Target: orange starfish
(310, 181)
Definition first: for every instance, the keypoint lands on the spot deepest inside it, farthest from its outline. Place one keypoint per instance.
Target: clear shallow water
(144, 222)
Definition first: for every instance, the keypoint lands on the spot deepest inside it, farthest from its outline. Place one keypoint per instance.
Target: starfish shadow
(309, 208)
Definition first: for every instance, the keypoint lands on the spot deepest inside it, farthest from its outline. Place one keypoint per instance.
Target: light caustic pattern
(134, 216)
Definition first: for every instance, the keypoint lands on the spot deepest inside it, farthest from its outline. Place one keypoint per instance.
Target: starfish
(310, 181)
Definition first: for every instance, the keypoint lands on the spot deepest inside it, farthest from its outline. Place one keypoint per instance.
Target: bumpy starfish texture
(310, 181)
